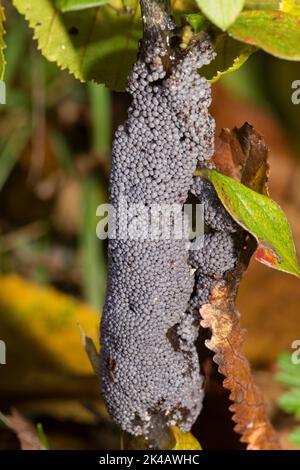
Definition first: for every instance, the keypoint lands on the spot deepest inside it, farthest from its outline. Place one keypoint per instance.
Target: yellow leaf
(170, 439)
(184, 441)
(290, 6)
(47, 319)
(2, 43)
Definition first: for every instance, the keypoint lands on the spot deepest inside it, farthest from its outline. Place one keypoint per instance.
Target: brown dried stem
(156, 17)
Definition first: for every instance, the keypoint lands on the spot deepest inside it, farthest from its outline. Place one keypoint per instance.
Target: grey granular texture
(215, 215)
(217, 256)
(149, 363)
(220, 245)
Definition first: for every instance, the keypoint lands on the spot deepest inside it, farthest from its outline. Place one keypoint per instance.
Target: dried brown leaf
(249, 410)
(229, 156)
(242, 155)
(91, 350)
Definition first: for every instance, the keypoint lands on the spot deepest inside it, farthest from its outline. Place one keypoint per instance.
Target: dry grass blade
(25, 431)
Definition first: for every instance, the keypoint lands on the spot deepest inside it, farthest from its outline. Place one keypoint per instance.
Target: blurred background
(55, 142)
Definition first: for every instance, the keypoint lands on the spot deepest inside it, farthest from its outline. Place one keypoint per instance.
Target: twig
(158, 27)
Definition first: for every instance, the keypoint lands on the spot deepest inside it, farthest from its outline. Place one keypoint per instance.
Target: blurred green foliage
(32, 240)
(289, 375)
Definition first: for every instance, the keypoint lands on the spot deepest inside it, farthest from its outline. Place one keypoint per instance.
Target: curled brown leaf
(243, 155)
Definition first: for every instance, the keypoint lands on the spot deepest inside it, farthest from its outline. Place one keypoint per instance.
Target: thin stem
(157, 23)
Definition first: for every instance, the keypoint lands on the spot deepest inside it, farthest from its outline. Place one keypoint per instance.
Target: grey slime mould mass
(150, 372)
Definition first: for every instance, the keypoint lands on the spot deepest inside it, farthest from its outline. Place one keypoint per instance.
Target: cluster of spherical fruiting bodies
(149, 364)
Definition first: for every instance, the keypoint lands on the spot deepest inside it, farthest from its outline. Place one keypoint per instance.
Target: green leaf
(97, 44)
(2, 43)
(291, 6)
(101, 106)
(231, 55)
(260, 216)
(11, 151)
(94, 268)
(290, 402)
(295, 436)
(73, 5)
(275, 32)
(222, 13)
(197, 21)
(15, 49)
(261, 5)
(42, 436)
(290, 373)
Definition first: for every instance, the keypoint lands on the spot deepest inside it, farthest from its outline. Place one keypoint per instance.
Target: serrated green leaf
(276, 32)
(222, 13)
(231, 55)
(260, 216)
(290, 402)
(97, 44)
(291, 6)
(73, 5)
(2, 43)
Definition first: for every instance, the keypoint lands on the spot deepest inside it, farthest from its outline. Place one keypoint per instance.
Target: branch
(158, 26)
(156, 17)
